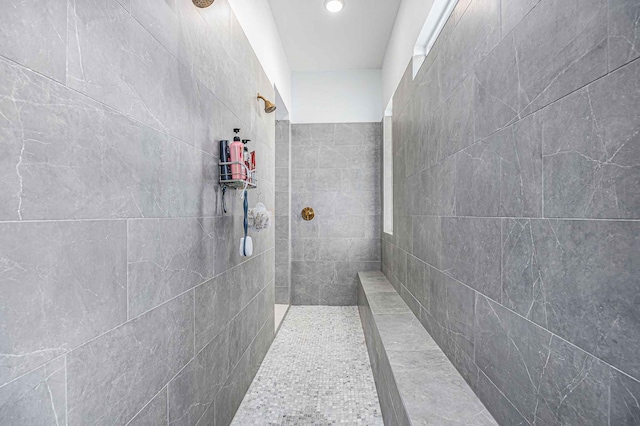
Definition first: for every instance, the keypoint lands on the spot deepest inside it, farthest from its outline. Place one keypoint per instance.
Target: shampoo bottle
(225, 171)
(237, 151)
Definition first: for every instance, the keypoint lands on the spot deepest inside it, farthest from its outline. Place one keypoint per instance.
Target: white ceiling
(315, 39)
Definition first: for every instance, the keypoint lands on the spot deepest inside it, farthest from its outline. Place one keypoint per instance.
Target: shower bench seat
(416, 382)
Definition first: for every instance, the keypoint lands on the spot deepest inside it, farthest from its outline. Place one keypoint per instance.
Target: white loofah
(259, 217)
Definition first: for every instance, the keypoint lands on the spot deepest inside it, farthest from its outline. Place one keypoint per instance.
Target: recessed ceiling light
(334, 5)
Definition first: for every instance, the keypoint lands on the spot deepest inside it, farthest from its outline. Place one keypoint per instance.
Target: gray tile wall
(282, 213)
(335, 169)
(516, 235)
(124, 299)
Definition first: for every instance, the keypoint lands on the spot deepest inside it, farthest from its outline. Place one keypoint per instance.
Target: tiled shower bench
(416, 382)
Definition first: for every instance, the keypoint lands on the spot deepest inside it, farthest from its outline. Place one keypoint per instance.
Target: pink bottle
(237, 148)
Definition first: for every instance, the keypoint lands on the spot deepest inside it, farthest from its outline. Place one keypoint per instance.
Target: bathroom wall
(516, 235)
(282, 213)
(124, 298)
(335, 169)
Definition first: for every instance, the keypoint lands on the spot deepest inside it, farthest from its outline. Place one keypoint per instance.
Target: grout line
(66, 391)
(149, 402)
(127, 265)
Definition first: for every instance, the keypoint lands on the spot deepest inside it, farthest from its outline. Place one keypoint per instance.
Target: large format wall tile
(592, 150)
(477, 32)
(165, 258)
(51, 303)
(471, 253)
(547, 379)
(625, 393)
(154, 413)
(194, 389)
(37, 398)
(502, 175)
(557, 48)
(624, 32)
(112, 377)
(579, 279)
(34, 35)
(61, 146)
(111, 59)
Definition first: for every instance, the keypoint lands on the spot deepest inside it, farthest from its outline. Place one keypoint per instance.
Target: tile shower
(515, 234)
(121, 298)
(516, 219)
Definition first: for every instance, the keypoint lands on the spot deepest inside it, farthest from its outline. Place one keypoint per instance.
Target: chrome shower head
(203, 3)
(269, 106)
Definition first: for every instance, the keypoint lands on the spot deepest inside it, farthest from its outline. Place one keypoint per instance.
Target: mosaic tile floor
(317, 372)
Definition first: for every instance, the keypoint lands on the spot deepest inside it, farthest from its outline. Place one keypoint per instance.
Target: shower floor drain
(317, 372)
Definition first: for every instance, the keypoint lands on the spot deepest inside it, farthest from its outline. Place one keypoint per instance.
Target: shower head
(203, 3)
(269, 106)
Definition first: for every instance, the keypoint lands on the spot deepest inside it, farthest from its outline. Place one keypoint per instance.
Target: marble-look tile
(513, 11)
(359, 203)
(304, 292)
(499, 406)
(322, 202)
(460, 315)
(624, 32)
(417, 280)
(165, 258)
(230, 396)
(112, 377)
(400, 265)
(344, 157)
(140, 172)
(322, 180)
(456, 129)
(337, 295)
(519, 77)
(475, 34)
(427, 239)
(221, 298)
(625, 394)
(364, 250)
(387, 303)
(74, 303)
(547, 379)
(446, 397)
(37, 398)
(282, 295)
(110, 56)
(246, 325)
(512, 353)
(178, 27)
(347, 272)
(304, 157)
(330, 249)
(496, 89)
(471, 252)
(312, 134)
(433, 191)
(34, 35)
(194, 389)
(579, 280)
(154, 413)
(340, 226)
(358, 133)
(591, 150)
(502, 175)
